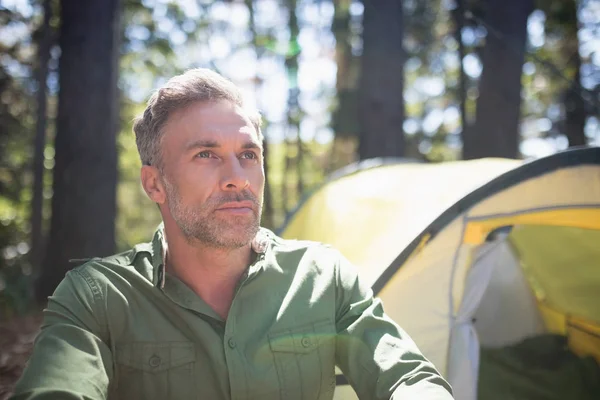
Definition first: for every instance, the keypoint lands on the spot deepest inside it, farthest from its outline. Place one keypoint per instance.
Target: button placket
(305, 341)
(231, 343)
(233, 355)
(154, 361)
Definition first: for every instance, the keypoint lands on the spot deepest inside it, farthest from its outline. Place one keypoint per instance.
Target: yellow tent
(470, 254)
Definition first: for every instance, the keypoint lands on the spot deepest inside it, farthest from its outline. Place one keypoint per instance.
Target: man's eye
(204, 154)
(249, 155)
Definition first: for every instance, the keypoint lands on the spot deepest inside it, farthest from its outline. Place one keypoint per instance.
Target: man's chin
(234, 236)
(241, 237)
(231, 243)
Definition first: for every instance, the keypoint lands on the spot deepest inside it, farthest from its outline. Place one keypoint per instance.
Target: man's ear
(152, 184)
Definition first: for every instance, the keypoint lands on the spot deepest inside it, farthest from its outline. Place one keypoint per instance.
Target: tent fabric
(370, 215)
(580, 216)
(557, 260)
(571, 186)
(419, 298)
(463, 370)
(508, 298)
(585, 160)
(583, 336)
(419, 234)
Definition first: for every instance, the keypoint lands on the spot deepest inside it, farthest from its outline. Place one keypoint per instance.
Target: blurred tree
(17, 126)
(575, 108)
(294, 151)
(257, 45)
(345, 113)
(459, 20)
(432, 126)
(85, 172)
(381, 84)
(561, 23)
(148, 56)
(45, 40)
(498, 110)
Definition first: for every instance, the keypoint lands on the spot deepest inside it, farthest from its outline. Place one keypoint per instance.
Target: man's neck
(213, 273)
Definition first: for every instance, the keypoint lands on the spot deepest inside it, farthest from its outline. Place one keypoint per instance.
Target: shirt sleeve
(377, 357)
(70, 358)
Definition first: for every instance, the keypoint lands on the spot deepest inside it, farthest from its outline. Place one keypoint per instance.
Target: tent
(494, 250)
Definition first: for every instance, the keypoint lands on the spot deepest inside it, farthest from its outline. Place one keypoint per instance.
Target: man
(216, 307)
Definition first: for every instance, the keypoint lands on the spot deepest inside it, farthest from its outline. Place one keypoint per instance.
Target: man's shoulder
(294, 250)
(134, 263)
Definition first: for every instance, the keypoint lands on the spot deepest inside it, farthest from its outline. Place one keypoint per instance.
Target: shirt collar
(159, 251)
(260, 245)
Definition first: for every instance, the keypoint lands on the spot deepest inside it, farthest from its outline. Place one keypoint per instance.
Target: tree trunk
(293, 141)
(575, 110)
(381, 85)
(459, 20)
(268, 217)
(44, 45)
(497, 116)
(574, 104)
(344, 117)
(85, 172)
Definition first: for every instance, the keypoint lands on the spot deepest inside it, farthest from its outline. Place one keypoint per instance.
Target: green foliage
(137, 216)
(313, 168)
(17, 122)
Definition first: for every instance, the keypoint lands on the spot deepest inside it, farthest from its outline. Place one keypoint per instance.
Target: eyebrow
(214, 144)
(251, 145)
(201, 143)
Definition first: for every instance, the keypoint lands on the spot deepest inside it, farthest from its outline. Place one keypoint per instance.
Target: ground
(16, 341)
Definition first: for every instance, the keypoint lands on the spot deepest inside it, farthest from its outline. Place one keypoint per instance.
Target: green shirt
(119, 327)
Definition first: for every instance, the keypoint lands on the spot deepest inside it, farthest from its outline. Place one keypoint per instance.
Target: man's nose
(234, 176)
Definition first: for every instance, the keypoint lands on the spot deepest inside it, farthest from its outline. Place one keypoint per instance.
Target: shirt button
(231, 343)
(305, 342)
(154, 361)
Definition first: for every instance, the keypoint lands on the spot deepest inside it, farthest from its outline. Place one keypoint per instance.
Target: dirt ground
(16, 340)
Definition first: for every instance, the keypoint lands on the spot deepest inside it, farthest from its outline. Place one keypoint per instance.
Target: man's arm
(377, 357)
(70, 358)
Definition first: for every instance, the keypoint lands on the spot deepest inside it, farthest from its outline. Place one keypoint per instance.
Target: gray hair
(195, 85)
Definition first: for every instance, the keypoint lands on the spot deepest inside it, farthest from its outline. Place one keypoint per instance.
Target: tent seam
(451, 316)
(530, 210)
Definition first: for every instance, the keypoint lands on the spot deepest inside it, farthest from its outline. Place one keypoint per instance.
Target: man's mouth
(237, 207)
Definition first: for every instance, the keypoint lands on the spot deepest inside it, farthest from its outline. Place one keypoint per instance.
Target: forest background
(337, 81)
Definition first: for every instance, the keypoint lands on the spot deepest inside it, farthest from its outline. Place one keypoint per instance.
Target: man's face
(213, 174)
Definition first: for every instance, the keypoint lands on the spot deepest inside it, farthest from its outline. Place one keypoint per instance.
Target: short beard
(200, 224)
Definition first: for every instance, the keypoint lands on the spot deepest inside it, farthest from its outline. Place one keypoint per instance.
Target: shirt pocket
(304, 358)
(155, 370)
